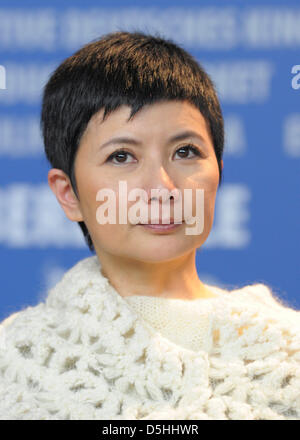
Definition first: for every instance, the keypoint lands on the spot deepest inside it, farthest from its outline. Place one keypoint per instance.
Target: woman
(132, 332)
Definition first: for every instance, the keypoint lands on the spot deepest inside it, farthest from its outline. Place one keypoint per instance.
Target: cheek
(207, 180)
(88, 187)
(92, 184)
(210, 192)
(110, 230)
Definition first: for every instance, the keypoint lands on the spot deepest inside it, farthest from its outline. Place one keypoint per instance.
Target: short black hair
(121, 68)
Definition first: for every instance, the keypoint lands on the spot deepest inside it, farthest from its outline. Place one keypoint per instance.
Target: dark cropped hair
(121, 68)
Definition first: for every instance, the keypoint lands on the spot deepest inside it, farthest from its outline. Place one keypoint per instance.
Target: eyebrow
(178, 137)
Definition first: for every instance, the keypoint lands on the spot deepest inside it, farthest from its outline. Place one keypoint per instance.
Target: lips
(159, 222)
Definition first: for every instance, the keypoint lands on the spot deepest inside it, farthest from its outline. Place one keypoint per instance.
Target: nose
(160, 186)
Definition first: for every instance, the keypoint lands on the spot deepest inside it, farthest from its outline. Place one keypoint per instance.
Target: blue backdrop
(251, 50)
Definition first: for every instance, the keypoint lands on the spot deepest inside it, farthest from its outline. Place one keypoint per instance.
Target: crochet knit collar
(85, 289)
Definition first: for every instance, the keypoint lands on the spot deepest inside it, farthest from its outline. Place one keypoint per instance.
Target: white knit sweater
(89, 353)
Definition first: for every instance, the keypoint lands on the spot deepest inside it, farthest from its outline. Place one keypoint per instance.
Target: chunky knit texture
(85, 353)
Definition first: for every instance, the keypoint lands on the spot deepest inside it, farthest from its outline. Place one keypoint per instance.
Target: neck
(176, 278)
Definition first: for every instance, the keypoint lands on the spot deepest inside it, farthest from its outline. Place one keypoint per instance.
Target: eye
(186, 149)
(118, 154)
(121, 155)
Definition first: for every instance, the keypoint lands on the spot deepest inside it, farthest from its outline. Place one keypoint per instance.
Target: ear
(222, 163)
(61, 186)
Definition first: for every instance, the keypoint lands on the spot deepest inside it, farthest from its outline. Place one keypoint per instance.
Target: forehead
(158, 118)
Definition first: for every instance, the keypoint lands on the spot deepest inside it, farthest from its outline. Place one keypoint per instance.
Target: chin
(159, 255)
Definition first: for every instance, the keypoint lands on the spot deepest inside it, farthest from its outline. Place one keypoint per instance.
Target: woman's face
(150, 161)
